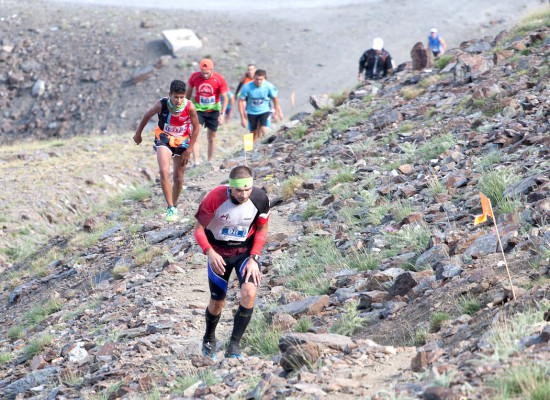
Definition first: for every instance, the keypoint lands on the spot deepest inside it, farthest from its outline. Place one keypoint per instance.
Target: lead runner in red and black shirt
(231, 229)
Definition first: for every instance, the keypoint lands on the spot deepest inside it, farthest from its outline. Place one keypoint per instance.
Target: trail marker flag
(292, 100)
(486, 209)
(248, 141)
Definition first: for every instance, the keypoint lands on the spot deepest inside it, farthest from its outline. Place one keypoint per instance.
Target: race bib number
(207, 100)
(174, 130)
(235, 232)
(257, 102)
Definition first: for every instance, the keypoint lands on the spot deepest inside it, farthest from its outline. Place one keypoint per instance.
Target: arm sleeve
(210, 204)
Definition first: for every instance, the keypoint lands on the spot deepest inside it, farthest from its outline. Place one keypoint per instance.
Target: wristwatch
(255, 257)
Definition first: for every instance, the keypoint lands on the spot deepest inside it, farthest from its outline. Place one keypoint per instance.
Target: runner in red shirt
(177, 129)
(231, 229)
(209, 88)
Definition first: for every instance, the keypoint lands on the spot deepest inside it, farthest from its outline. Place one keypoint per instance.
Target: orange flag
(486, 209)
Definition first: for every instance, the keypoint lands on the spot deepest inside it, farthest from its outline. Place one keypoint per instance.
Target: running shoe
(234, 351)
(209, 349)
(171, 214)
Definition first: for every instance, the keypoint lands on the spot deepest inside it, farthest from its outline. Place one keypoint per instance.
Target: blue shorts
(218, 283)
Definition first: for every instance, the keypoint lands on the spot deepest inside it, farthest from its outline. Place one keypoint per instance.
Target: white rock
(179, 40)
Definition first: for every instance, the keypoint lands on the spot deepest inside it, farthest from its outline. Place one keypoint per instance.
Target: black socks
(242, 318)
(211, 323)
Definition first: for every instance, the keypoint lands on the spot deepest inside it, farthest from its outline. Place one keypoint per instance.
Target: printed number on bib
(207, 100)
(236, 232)
(174, 130)
(257, 102)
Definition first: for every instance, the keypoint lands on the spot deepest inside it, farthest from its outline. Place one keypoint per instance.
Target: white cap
(434, 30)
(377, 44)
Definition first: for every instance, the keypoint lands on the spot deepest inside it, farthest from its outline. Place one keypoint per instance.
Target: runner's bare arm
(157, 107)
(221, 118)
(278, 115)
(216, 261)
(188, 92)
(242, 111)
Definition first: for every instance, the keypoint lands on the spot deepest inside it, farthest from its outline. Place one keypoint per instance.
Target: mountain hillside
(377, 284)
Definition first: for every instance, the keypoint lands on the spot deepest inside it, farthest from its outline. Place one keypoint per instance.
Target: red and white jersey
(230, 227)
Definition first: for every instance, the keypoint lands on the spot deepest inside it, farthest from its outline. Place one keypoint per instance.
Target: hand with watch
(251, 271)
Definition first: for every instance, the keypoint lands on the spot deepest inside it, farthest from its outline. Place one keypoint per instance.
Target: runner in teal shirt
(255, 104)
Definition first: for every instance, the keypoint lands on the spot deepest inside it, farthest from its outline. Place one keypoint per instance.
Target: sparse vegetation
(442, 61)
(39, 312)
(137, 193)
(5, 358)
(298, 131)
(401, 209)
(504, 335)
(363, 260)
(490, 159)
(290, 185)
(434, 185)
(306, 272)
(377, 213)
(420, 336)
(347, 175)
(437, 319)
(411, 92)
(313, 209)
(16, 332)
(191, 377)
(435, 146)
(347, 118)
(349, 321)
(36, 345)
(469, 305)
(528, 381)
(494, 182)
(304, 324)
(261, 338)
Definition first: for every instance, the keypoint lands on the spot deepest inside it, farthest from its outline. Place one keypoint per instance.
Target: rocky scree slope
(376, 257)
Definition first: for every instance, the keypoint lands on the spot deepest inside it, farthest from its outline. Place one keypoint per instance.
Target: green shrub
(420, 337)
(435, 146)
(347, 175)
(306, 272)
(490, 159)
(437, 319)
(137, 193)
(377, 213)
(401, 209)
(39, 312)
(290, 185)
(16, 332)
(261, 337)
(349, 321)
(298, 131)
(36, 345)
(5, 358)
(363, 260)
(442, 61)
(313, 209)
(469, 305)
(411, 92)
(504, 335)
(303, 325)
(528, 381)
(494, 182)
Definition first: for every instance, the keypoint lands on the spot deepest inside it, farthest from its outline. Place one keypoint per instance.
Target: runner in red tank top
(177, 130)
